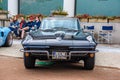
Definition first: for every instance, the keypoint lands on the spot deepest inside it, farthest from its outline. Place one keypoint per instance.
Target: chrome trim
(83, 51)
(82, 47)
(48, 55)
(36, 51)
(36, 46)
(87, 52)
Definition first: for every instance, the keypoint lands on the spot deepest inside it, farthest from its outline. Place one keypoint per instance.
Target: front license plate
(59, 55)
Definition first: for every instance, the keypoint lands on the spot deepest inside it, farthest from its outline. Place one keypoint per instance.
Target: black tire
(9, 40)
(29, 62)
(89, 63)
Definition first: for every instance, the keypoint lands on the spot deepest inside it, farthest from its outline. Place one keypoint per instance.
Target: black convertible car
(59, 39)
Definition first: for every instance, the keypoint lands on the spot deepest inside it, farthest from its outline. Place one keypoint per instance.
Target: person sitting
(14, 24)
(37, 22)
(21, 26)
(11, 22)
(29, 26)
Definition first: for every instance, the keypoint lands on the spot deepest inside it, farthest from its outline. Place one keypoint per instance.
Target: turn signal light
(27, 54)
(91, 55)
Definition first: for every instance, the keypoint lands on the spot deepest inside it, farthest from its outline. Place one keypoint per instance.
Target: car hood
(59, 38)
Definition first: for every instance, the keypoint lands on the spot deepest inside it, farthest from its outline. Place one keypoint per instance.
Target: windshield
(60, 24)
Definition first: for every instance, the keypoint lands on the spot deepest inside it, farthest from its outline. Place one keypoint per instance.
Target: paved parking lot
(13, 51)
(13, 69)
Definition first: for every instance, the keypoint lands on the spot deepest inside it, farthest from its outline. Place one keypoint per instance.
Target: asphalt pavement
(13, 69)
(12, 66)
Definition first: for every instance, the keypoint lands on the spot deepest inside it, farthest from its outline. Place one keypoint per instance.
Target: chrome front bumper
(48, 54)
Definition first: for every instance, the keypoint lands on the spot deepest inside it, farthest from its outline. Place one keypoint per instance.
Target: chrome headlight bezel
(29, 37)
(90, 39)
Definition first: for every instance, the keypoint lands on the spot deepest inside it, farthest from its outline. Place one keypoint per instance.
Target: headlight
(90, 39)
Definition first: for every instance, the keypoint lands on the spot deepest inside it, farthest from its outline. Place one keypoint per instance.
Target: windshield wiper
(59, 28)
(73, 30)
(48, 30)
(64, 28)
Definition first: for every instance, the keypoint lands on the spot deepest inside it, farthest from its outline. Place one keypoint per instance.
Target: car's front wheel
(89, 62)
(29, 61)
(9, 40)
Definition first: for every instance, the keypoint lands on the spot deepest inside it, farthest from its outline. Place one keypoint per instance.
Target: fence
(4, 22)
(98, 27)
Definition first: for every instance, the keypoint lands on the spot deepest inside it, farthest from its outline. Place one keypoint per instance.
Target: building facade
(73, 7)
(4, 4)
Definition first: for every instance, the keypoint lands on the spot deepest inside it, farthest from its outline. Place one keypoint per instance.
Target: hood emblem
(59, 35)
(59, 38)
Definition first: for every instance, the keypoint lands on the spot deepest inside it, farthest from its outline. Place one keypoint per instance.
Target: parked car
(6, 38)
(59, 39)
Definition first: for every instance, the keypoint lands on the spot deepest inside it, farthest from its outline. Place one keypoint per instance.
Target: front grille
(59, 48)
(38, 49)
(82, 49)
(79, 54)
(63, 48)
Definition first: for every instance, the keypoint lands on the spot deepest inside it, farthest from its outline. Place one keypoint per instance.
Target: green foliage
(1, 8)
(83, 16)
(59, 11)
(80, 16)
(100, 17)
